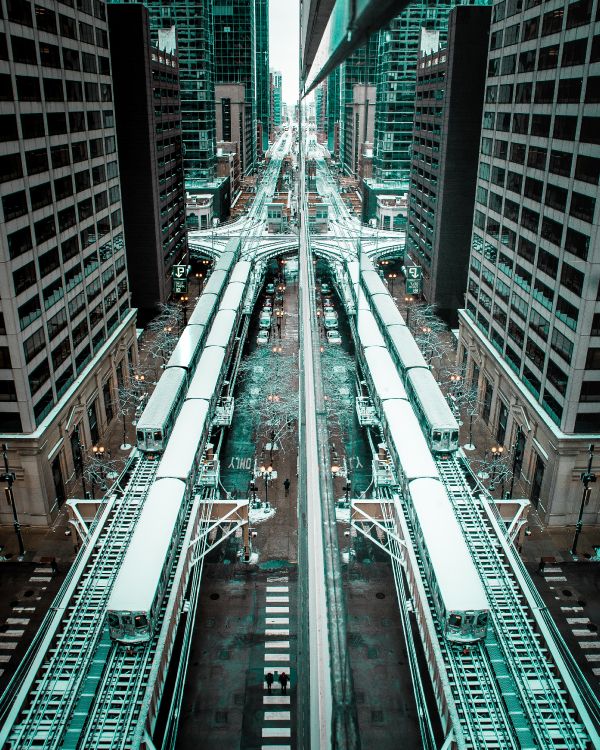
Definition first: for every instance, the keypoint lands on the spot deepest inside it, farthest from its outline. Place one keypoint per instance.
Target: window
(514, 182)
(76, 122)
(539, 324)
(88, 62)
(24, 50)
(587, 169)
(82, 180)
(79, 151)
(517, 153)
(574, 52)
(569, 90)
(535, 354)
(49, 55)
(57, 323)
(74, 91)
(592, 361)
(562, 345)
(556, 197)
(34, 344)
(533, 189)
(511, 210)
(526, 61)
(39, 377)
(68, 26)
(544, 92)
(61, 156)
(71, 59)
(592, 90)
(69, 249)
(49, 262)
(548, 57)
(520, 123)
(523, 93)
(571, 278)
(565, 127)
(560, 163)
(590, 391)
(547, 263)
(530, 219)
(66, 218)
(61, 353)
(53, 90)
(19, 242)
(530, 29)
(63, 187)
(567, 312)
(36, 161)
(577, 243)
(44, 229)
(508, 65)
(526, 249)
(552, 22)
(579, 13)
(590, 130)
(551, 230)
(536, 157)
(29, 312)
(14, 205)
(57, 123)
(582, 206)
(24, 278)
(32, 126)
(28, 89)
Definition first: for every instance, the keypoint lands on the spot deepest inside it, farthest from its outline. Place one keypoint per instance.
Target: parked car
(264, 320)
(263, 336)
(268, 302)
(328, 306)
(325, 288)
(270, 288)
(333, 337)
(330, 320)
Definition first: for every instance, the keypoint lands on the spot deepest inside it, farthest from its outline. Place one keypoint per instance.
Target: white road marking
(578, 620)
(278, 620)
(276, 657)
(9, 646)
(276, 631)
(42, 570)
(40, 579)
(555, 578)
(584, 633)
(23, 609)
(276, 747)
(277, 589)
(277, 644)
(276, 668)
(277, 715)
(12, 633)
(276, 700)
(17, 620)
(589, 644)
(280, 599)
(571, 609)
(5, 658)
(592, 657)
(276, 732)
(280, 610)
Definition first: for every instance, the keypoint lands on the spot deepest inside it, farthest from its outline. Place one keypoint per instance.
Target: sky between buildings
(283, 44)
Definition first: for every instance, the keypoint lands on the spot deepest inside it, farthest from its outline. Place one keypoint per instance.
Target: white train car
(433, 410)
(188, 348)
(232, 298)
(368, 330)
(456, 587)
(386, 310)
(204, 309)
(382, 375)
(206, 383)
(155, 424)
(241, 272)
(184, 450)
(216, 283)
(135, 601)
(223, 329)
(373, 282)
(404, 349)
(406, 442)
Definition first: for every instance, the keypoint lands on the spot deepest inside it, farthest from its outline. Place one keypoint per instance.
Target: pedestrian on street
(54, 566)
(283, 679)
(541, 566)
(286, 486)
(269, 681)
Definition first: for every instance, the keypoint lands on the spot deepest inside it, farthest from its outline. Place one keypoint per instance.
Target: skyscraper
(262, 72)
(275, 78)
(193, 22)
(445, 155)
(67, 335)
(333, 110)
(235, 64)
(148, 116)
(530, 332)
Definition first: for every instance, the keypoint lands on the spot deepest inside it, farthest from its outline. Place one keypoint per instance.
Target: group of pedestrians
(283, 681)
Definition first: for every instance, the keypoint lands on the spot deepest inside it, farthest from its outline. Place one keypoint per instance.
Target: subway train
(438, 422)
(136, 599)
(455, 585)
(156, 422)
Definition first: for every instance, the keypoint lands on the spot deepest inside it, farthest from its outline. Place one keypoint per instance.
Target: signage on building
(414, 272)
(179, 274)
(413, 286)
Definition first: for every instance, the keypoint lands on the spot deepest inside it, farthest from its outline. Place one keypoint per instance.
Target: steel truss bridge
(519, 689)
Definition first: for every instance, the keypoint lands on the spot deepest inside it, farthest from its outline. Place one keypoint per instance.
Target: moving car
(263, 336)
(270, 289)
(330, 320)
(333, 337)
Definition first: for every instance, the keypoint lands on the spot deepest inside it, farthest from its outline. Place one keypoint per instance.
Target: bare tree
(162, 334)
(99, 469)
(269, 391)
(132, 395)
(494, 469)
(338, 371)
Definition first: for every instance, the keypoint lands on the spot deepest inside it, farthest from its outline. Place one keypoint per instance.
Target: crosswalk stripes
(277, 714)
(14, 626)
(577, 623)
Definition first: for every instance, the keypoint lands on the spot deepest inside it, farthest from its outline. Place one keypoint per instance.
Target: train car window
(113, 620)
(127, 620)
(158, 435)
(455, 621)
(482, 619)
(141, 621)
(140, 436)
(455, 436)
(437, 436)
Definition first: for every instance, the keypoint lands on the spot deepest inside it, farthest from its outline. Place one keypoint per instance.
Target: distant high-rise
(148, 116)
(262, 73)
(235, 64)
(530, 333)
(445, 151)
(275, 100)
(333, 111)
(193, 22)
(321, 110)
(67, 333)
(357, 79)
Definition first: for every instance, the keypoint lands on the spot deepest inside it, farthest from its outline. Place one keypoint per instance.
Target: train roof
(406, 348)
(409, 443)
(366, 263)
(224, 261)
(221, 329)
(431, 397)
(138, 576)
(384, 374)
(161, 400)
(178, 458)
(368, 330)
(204, 308)
(207, 373)
(186, 348)
(456, 574)
(387, 310)
(233, 296)
(363, 301)
(241, 271)
(215, 282)
(373, 283)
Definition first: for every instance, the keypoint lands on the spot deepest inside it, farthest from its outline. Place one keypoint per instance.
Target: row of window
(33, 126)
(573, 53)
(564, 126)
(565, 91)
(23, 12)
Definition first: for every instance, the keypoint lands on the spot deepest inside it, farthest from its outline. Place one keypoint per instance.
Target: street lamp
(516, 457)
(98, 451)
(497, 451)
(408, 299)
(392, 277)
(587, 477)
(267, 474)
(9, 477)
(184, 305)
(426, 331)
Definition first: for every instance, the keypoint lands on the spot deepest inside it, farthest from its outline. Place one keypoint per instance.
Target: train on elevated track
(418, 429)
(184, 421)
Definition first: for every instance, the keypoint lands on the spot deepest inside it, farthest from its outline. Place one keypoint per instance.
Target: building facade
(445, 156)
(67, 330)
(530, 331)
(333, 111)
(235, 60)
(148, 116)
(234, 122)
(195, 46)
(262, 74)
(276, 103)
